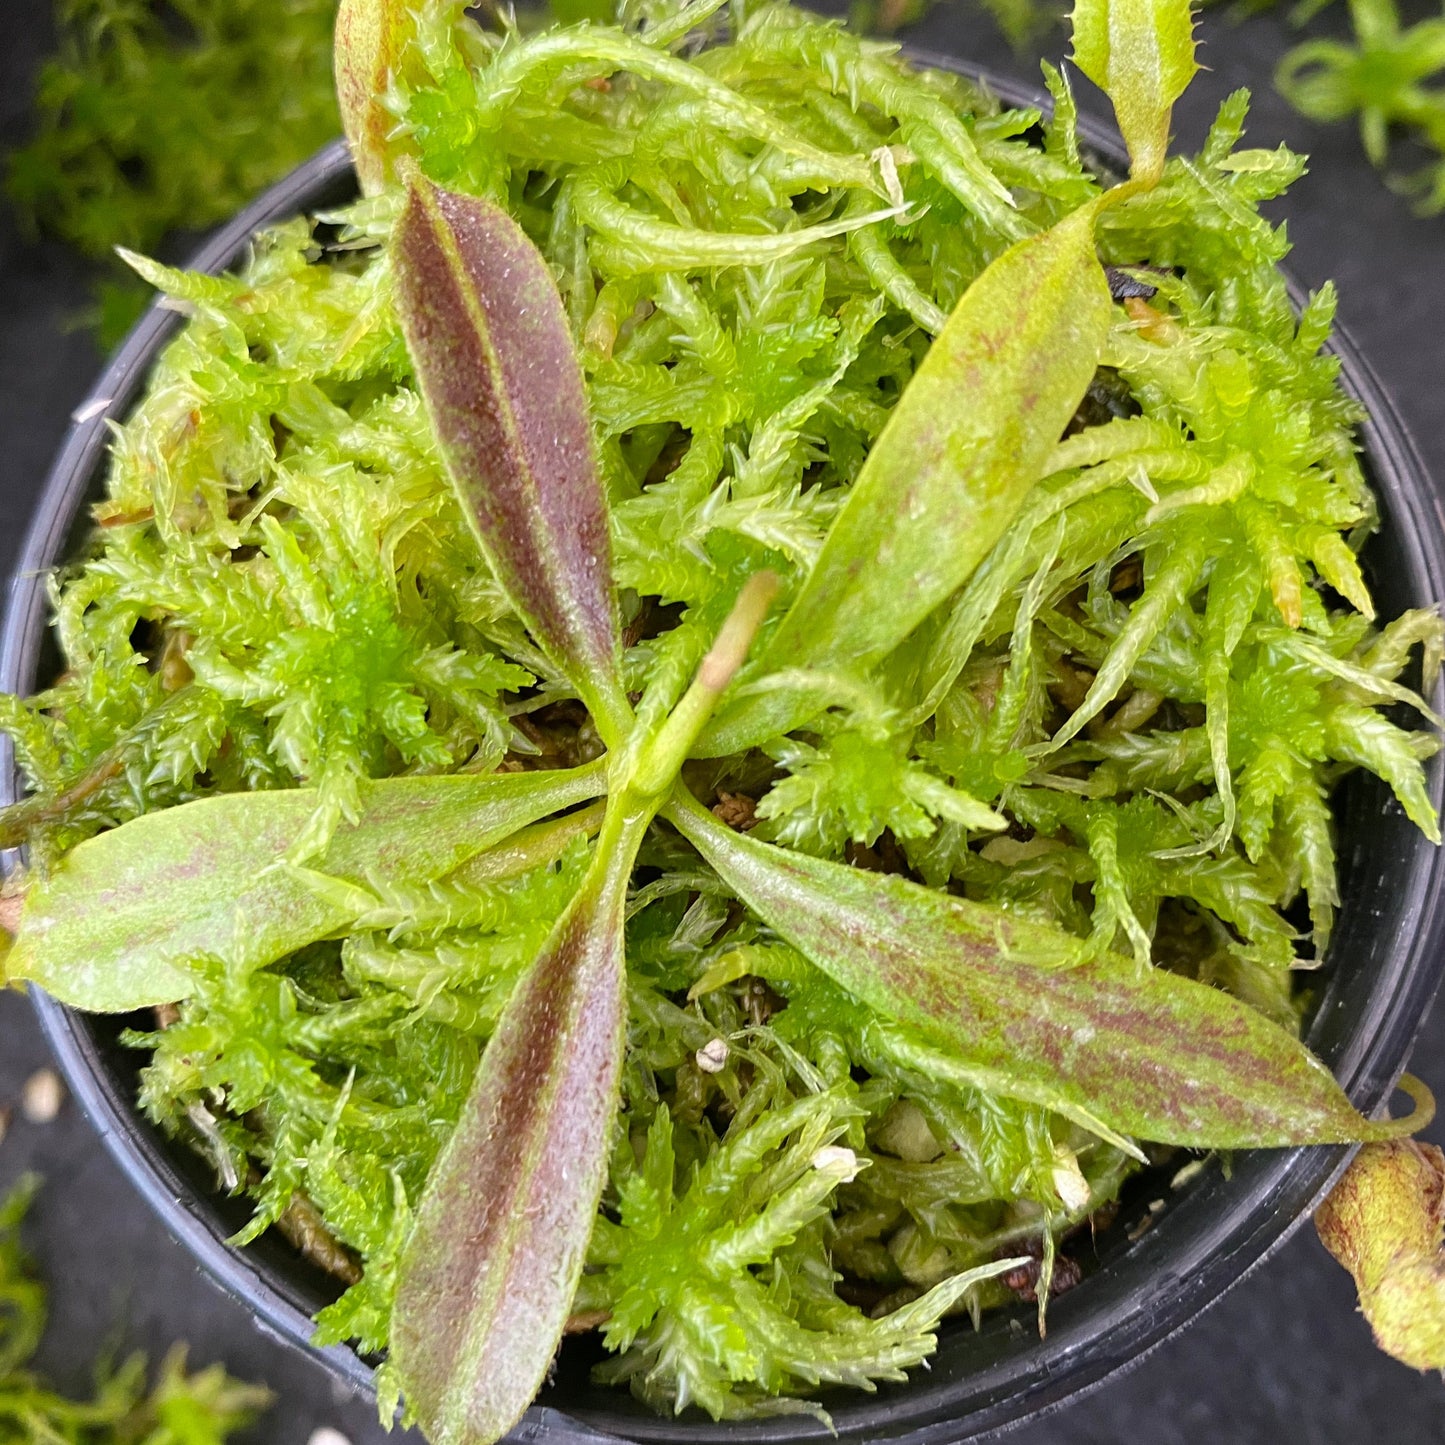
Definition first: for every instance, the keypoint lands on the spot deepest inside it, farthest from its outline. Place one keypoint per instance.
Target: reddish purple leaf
(500, 377)
(487, 1278)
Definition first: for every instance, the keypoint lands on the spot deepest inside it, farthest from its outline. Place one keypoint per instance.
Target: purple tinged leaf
(1146, 1052)
(114, 925)
(498, 371)
(487, 1278)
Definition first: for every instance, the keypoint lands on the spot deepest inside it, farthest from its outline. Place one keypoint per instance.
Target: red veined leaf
(1143, 1051)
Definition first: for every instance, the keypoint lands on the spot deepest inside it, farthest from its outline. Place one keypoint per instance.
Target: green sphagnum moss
(1116, 734)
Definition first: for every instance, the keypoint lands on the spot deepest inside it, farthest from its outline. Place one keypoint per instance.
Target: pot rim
(1273, 1192)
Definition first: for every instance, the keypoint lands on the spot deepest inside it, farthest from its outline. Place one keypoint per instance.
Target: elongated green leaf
(1141, 54)
(487, 1278)
(370, 38)
(966, 442)
(500, 377)
(531, 848)
(112, 928)
(1149, 1053)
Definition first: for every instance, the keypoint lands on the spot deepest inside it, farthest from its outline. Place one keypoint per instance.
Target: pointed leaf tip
(499, 373)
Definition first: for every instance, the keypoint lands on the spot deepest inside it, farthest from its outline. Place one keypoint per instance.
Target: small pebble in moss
(42, 1097)
(712, 1057)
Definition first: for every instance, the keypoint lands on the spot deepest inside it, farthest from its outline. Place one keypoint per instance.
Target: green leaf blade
(500, 377)
(487, 1279)
(965, 443)
(113, 927)
(1141, 54)
(1148, 1053)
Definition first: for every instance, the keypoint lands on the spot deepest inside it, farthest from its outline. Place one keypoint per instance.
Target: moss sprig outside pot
(1150, 1280)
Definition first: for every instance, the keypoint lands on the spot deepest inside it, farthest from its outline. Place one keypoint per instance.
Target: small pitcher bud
(1383, 1222)
(371, 36)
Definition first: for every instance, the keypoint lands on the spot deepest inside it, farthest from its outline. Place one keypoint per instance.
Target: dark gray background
(1283, 1360)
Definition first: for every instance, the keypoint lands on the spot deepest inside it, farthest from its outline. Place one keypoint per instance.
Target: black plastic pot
(1385, 964)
